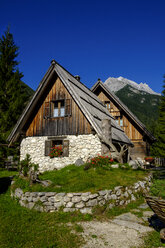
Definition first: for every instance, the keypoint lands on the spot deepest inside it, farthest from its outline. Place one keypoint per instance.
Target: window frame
(49, 108)
(59, 107)
(49, 145)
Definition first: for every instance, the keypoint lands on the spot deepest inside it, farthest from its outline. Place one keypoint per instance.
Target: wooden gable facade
(57, 114)
(62, 105)
(133, 128)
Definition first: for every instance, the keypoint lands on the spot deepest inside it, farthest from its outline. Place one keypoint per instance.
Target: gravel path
(124, 231)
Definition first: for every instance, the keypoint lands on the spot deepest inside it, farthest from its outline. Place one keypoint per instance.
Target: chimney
(77, 77)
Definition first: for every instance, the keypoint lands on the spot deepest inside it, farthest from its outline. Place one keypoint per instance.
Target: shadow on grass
(5, 182)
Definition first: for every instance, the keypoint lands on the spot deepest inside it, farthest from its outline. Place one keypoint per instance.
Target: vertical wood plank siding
(75, 124)
(130, 128)
(131, 131)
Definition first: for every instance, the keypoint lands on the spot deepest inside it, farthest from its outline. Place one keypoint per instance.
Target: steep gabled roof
(124, 108)
(87, 101)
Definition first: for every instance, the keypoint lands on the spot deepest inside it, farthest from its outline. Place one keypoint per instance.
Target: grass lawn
(157, 189)
(24, 228)
(76, 179)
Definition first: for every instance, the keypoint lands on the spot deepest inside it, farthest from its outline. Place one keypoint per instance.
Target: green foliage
(26, 165)
(75, 179)
(152, 240)
(14, 94)
(143, 105)
(158, 188)
(158, 148)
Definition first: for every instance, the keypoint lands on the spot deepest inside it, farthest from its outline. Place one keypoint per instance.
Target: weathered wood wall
(75, 124)
(130, 128)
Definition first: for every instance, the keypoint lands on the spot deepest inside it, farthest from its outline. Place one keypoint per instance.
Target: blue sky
(94, 39)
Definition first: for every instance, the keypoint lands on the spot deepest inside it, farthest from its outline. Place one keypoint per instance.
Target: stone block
(79, 205)
(118, 192)
(111, 205)
(121, 202)
(86, 193)
(58, 204)
(91, 203)
(133, 198)
(18, 192)
(30, 205)
(85, 198)
(29, 199)
(69, 205)
(79, 162)
(66, 199)
(103, 192)
(76, 199)
(102, 202)
(77, 194)
(43, 198)
(115, 166)
(34, 194)
(113, 197)
(58, 198)
(93, 196)
(69, 209)
(86, 211)
(41, 193)
(48, 203)
(27, 193)
(70, 194)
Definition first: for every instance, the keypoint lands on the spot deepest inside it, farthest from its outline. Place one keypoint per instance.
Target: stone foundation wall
(81, 146)
(84, 202)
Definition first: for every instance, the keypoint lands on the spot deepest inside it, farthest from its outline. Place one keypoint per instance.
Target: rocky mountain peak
(115, 84)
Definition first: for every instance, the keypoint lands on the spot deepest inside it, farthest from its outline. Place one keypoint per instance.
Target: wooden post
(107, 133)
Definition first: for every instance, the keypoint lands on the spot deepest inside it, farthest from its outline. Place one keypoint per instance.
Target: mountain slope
(139, 98)
(142, 104)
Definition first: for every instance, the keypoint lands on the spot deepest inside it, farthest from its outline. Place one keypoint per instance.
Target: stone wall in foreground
(84, 202)
(80, 147)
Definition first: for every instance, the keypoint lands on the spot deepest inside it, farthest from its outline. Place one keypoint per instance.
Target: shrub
(26, 167)
(99, 161)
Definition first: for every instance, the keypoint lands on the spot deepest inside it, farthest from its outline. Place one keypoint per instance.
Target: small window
(61, 145)
(121, 122)
(107, 105)
(59, 108)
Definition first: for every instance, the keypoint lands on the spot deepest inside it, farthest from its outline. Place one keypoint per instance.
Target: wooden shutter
(48, 146)
(65, 148)
(68, 107)
(47, 110)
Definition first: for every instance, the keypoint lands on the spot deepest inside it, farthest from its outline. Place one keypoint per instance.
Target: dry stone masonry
(84, 202)
(80, 147)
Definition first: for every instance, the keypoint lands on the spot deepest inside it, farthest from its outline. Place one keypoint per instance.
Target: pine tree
(13, 92)
(158, 148)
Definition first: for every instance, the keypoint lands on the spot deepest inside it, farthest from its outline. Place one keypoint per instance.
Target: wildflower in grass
(101, 160)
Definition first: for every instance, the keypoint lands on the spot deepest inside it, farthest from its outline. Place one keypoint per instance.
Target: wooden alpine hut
(131, 125)
(64, 112)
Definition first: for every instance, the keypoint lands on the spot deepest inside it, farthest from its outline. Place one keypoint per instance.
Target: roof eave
(115, 98)
(16, 130)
